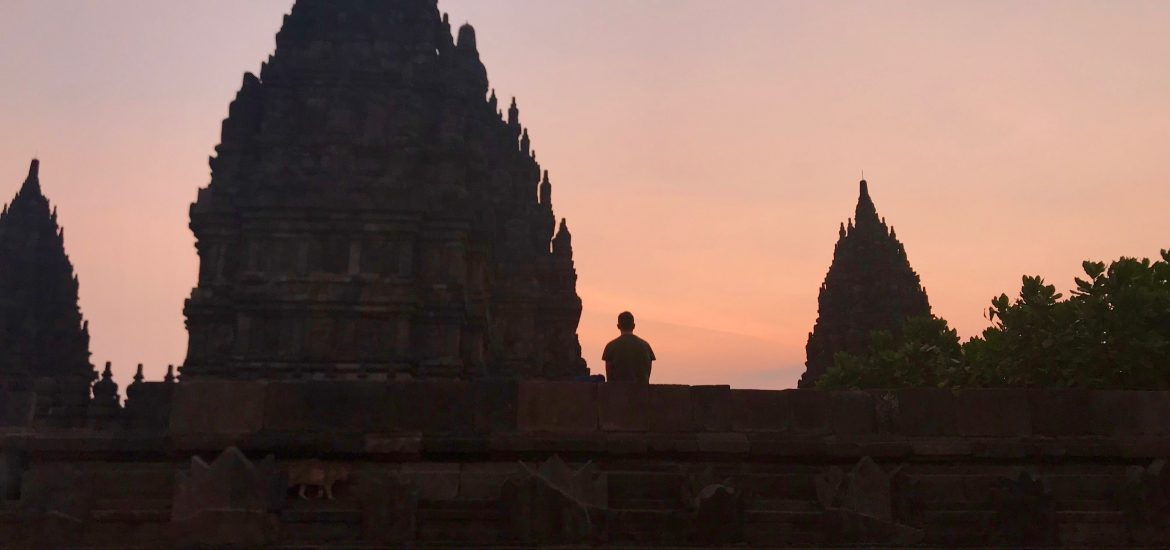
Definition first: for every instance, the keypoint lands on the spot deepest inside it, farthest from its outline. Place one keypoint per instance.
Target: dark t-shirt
(628, 359)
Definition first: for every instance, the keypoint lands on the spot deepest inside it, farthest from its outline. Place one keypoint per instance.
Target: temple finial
(33, 183)
(466, 37)
(513, 114)
(563, 242)
(546, 190)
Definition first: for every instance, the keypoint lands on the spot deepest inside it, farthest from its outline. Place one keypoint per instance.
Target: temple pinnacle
(33, 182)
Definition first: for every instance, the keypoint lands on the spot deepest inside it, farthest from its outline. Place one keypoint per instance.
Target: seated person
(628, 358)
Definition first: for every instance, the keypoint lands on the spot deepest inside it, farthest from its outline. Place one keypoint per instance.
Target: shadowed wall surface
(526, 464)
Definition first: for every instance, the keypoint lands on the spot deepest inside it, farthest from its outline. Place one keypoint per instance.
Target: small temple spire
(514, 114)
(563, 242)
(466, 38)
(32, 184)
(866, 213)
(546, 190)
(170, 377)
(139, 377)
(106, 389)
(525, 143)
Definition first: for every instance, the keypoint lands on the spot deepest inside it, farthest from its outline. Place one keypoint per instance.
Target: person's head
(626, 322)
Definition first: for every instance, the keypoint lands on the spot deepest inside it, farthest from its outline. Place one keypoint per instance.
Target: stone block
(641, 489)
(1130, 413)
(1105, 531)
(454, 444)
(336, 407)
(496, 405)
(810, 411)
(852, 413)
(719, 515)
(226, 529)
(760, 411)
(219, 408)
(434, 481)
(924, 412)
(775, 445)
(941, 447)
(624, 407)
(723, 443)
(57, 489)
(558, 407)
(17, 409)
(711, 408)
(1116, 413)
(1154, 412)
(13, 464)
(484, 481)
(386, 444)
(670, 409)
(433, 406)
(149, 408)
(626, 443)
(671, 443)
(389, 511)
(1061, 412)
(992, 413)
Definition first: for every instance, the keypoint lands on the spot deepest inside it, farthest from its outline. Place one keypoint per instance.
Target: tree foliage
(926, 352)
(1113, 331)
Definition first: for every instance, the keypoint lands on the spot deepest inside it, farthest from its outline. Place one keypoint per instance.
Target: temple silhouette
(373, 215)
(44, 342)
(383, 354)
(870, 286)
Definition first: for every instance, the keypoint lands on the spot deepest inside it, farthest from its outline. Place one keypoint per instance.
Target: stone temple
(372, 215)
(44, 342)
(870, 286)
(383, 355)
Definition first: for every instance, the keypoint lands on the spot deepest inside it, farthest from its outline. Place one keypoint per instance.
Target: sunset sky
(704, 151)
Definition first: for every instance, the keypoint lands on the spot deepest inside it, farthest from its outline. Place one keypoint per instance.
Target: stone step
(321, 516)
(131, 516)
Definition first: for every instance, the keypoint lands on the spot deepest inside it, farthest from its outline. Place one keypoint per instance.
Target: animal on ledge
(315, 474)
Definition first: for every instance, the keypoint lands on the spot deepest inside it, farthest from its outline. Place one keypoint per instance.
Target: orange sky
(704, 151)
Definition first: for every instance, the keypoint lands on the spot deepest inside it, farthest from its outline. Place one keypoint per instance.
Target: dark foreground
(504, 464)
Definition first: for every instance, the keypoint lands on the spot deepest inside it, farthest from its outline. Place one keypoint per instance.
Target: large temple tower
(372, 214)
(870, 286)
(44, 342)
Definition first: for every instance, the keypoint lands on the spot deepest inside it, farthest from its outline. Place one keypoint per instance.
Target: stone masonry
(373, 214)
(525, 464)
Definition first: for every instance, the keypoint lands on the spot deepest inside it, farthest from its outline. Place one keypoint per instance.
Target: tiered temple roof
(373, 214)
(870, 286)
(44, 342)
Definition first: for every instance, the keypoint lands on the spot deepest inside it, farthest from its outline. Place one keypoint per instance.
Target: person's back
(628, 358)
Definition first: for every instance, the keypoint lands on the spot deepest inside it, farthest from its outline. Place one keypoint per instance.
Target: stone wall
(526, 464)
